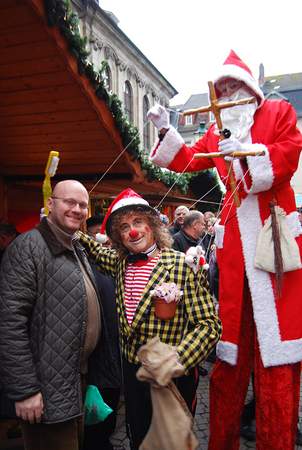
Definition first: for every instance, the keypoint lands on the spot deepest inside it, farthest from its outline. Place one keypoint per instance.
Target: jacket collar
(52, 242)
(189, 239)
(57, 248)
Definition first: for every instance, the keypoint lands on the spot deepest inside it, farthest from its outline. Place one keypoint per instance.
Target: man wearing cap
(141, 259)
(260, 331)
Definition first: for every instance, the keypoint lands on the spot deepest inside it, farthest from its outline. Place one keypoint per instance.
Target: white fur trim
(219, 235)
(261, 169)
(228, 352)
(102, 238)
(237, 72)
(237, 169)
(273, 351)
(167, 149)
(129, 201)
(294, 224)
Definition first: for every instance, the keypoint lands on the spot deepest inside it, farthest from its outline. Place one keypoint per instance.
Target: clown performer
(261, 320)
(140, 260)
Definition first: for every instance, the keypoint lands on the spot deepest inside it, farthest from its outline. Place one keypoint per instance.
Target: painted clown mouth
(136, 241)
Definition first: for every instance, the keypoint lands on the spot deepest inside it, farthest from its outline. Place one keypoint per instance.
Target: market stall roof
(46, 103)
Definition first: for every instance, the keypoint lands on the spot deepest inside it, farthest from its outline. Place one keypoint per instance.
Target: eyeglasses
(72, 203)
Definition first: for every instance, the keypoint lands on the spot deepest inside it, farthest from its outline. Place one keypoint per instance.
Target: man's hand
(30, 409)
(159, 117)
(230, 145)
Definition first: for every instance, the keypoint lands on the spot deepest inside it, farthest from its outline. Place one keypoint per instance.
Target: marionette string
(115, 161)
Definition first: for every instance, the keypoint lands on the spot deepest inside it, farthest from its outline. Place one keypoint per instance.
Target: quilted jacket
(43, 319)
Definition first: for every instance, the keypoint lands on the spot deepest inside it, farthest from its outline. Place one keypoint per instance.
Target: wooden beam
(38, 81)
(11, 18)
(75, 168)
(21, 52)
(31, 68)
(31, 96)
(50, 128)
(55, 117)
(68, 137)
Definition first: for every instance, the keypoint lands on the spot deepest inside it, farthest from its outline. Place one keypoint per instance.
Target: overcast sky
(188, 40)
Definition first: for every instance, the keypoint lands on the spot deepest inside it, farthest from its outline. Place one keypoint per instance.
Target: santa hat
(234, 67)
(126, 201)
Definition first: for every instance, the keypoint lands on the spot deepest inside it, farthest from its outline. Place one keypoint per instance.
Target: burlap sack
(264, 258)
(172, 423)
(159, 363)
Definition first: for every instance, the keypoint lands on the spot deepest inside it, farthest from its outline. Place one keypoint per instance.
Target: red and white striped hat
(234, 67)
(127, 200)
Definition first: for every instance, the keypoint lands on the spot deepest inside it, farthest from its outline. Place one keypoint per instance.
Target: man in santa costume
(262, 331)
(141, 259)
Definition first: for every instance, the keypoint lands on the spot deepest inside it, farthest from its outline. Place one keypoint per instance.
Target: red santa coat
(278, 321)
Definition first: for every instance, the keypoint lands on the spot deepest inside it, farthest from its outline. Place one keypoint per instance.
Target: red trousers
(277, 392)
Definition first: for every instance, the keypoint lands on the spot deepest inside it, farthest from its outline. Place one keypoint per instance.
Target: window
(146, 133)
(107, 78)
(189, 120)
(128, 101)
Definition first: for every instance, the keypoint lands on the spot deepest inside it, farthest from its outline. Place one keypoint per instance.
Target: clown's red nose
(133, 234)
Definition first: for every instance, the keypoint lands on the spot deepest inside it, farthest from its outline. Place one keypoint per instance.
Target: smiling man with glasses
(68, 206)
(52, 325)
(71, 203)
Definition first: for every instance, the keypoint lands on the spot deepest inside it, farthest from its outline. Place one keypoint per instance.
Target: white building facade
(128, 73)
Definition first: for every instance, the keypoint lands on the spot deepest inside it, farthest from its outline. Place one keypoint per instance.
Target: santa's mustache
(238, 119)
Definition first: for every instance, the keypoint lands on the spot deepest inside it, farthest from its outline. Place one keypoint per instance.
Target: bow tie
(132, 258)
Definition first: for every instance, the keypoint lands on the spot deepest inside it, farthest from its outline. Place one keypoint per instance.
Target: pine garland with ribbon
(59, 13)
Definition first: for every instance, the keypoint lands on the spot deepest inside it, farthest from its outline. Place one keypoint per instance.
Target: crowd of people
(128, 306)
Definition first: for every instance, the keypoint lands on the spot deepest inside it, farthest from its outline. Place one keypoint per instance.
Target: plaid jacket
(194, 330)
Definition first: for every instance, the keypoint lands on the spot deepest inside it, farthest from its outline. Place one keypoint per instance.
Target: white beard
(238, 119)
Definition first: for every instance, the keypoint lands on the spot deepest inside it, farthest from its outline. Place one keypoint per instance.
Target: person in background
(209, 235)
(190, 233)
(189, 236)
(141, 260)
(179, 217)
(8, 233)
(97, 436)
(208, 215)
(261, 318)
(164, 219)
(93, 225)
(52, 331)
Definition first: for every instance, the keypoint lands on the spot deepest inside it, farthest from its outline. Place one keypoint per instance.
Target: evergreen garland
(59, 13)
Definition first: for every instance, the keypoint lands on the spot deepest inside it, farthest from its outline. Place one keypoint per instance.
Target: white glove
(159, 117)
(230, 145)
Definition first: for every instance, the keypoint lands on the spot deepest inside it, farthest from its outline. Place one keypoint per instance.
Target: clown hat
(234, 67)
(127, 200)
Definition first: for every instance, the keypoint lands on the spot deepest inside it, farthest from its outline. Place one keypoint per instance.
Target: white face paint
(238, 119)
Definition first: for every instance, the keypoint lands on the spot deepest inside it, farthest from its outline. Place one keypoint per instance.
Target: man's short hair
(191, 217)
(94, 220)
(208, 214)
(180, 207)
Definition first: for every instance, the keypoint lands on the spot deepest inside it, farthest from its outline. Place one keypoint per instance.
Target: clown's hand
(229, 146)
(159, 117)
